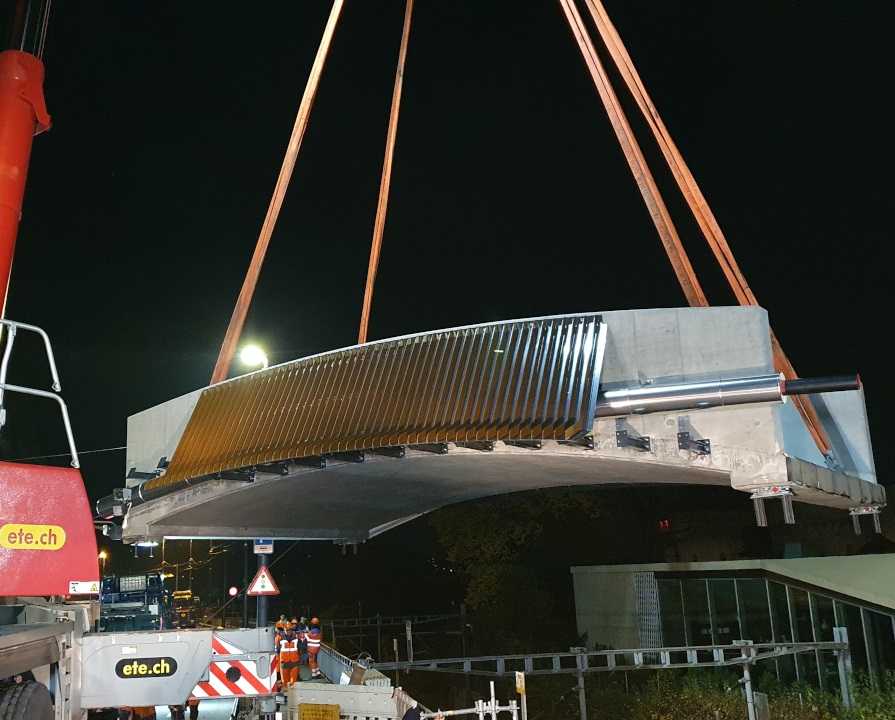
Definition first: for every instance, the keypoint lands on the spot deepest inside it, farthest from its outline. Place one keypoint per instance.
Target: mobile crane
(53, 664)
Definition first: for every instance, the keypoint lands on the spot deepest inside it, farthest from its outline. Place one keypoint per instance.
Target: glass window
(801, 614)
(755, 615)
(786, 669)
(830, 670)
(696, 612)
(779, 612)
(808, 670)
(880, 639)
(824, 617)
(671, 608)
(723, 605)
(850, 617)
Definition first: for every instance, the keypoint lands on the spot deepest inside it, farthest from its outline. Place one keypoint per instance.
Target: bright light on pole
(253, 355)
(102, 556)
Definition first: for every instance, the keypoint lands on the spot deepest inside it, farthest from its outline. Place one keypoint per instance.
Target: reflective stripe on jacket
(290, 651)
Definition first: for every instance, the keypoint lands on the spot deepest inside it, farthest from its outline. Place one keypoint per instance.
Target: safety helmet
(315, 621)
(303, 620)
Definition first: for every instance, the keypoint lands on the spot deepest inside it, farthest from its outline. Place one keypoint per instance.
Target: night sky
(510, 195)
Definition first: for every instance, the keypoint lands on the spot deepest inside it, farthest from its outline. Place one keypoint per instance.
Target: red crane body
(47, 538)
(23, 114)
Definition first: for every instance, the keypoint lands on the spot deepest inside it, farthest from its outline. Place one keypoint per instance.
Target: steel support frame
(579, 661)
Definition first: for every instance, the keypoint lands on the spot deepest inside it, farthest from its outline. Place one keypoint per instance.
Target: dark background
(510, 195)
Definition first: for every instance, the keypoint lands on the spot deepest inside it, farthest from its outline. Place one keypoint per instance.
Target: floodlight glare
(253, 355)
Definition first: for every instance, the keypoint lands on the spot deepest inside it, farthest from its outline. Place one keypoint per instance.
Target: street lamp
(102, 556)
(253, 355)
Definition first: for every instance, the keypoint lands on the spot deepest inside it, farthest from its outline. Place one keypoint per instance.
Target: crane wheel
(29, 700)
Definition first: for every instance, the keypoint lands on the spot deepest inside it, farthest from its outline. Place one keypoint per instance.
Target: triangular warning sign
(263, 584)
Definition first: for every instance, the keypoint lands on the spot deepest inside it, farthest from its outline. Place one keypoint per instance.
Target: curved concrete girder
(752, 447)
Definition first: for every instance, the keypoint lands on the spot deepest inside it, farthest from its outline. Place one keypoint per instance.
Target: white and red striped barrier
(235, 677)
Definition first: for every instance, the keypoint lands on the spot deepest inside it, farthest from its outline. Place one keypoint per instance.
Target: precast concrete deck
(346, 445)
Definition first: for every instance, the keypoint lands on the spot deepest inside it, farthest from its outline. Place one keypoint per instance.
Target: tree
(497, 545)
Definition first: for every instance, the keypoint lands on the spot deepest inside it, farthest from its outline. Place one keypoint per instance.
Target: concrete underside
(357, 501)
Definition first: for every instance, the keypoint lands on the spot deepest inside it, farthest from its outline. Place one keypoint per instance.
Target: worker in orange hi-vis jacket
(289, 650)
(278, 635)
(313, 638)
(137, 713)
(193, 705)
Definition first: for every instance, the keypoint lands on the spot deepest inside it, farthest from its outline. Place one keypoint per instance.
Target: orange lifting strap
(379, 226)
(668, 234)
(231, 339)
(686, 182)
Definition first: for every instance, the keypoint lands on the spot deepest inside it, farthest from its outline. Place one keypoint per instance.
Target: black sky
(510, 195)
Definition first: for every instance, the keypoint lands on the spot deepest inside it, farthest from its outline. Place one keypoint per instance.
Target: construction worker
(137, 713)
(177, 712)
(313, 637)
(290, 658)
(301, 629)
(193, 705)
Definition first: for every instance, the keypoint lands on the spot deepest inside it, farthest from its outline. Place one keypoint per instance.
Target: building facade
(715, 603)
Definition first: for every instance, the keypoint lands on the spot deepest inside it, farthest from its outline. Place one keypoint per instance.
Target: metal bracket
(274, 468)
(348, 456)
(872, 510)
(393, 451)
(134, 474)
(480, 445)
(116, 505)
(317, 462)
(624, 438)
(243, 475)
(700, 446)
(784, 494)
(112, 531)
(345, 544)
(529, 444)
(687, 441)
(435, 448)
(586, 442)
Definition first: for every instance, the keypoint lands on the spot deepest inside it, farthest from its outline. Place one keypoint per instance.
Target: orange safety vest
(290, 652)
(313, 638)
(141, 713)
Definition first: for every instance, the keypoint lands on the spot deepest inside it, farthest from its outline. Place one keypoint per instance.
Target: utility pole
(581, 662)
(245, 584)
(263, 562)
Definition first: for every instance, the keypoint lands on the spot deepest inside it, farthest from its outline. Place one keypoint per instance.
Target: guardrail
(338, 668)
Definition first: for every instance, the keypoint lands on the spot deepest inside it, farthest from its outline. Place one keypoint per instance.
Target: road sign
(263, 547)
(263, 584)
(520, 682)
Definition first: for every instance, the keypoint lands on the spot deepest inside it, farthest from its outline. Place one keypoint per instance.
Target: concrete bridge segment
(752, 447)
